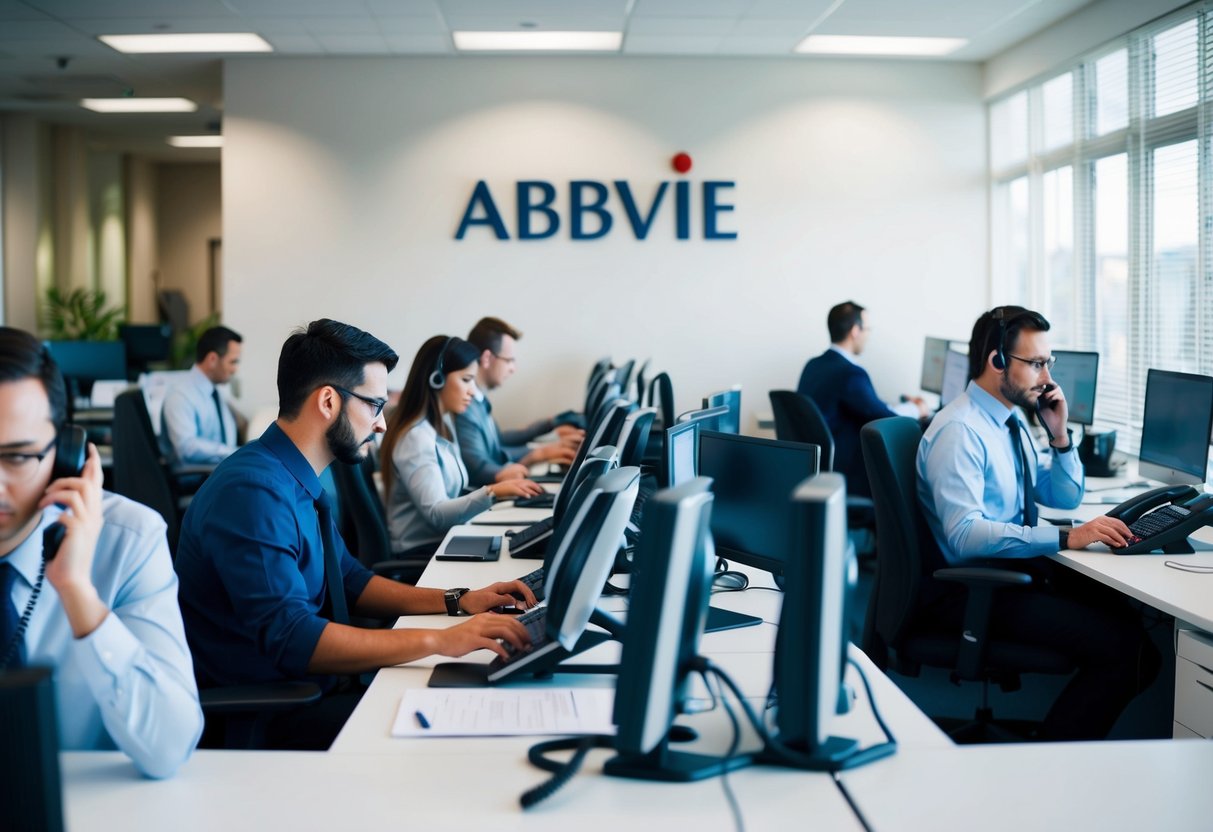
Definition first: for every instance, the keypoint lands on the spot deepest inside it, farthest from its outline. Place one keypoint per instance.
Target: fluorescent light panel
(139, 105)
(196, 141)
(865, 45)
(538, 41)
(188, 42)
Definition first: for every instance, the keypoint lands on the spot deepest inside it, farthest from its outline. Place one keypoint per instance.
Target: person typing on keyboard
(979, 480)
(489, 453)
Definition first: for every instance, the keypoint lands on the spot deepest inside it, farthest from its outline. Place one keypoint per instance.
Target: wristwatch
(1069, 443)
(452, 596)
(1063, 540)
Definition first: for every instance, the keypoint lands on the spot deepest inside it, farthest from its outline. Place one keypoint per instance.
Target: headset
(438, 377)
(1000, 357)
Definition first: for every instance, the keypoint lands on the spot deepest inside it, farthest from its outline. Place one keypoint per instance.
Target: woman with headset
(423, 474)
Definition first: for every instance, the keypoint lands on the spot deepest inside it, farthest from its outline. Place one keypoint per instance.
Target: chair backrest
(661, 396)
(623, 375)
(363, 524)
(139, 472)
(798, 419)
(634, 437)
(907, 549)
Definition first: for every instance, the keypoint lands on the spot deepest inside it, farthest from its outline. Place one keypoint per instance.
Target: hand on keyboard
(501, 594)
(1102, 529)
(484, 632)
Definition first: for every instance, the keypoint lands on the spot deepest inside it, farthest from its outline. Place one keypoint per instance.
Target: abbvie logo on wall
(591, 212)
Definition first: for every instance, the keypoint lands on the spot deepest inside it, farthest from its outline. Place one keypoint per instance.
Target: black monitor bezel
(1204, 381)
(1058, 354)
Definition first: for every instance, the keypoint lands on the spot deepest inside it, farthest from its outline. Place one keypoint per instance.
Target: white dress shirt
(190, 433)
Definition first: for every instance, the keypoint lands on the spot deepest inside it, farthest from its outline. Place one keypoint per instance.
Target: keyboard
(534, 580)
(524, 539)
(535, 622)
(1157, 522)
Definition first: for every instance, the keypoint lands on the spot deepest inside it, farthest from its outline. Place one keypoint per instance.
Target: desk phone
(1163, 518)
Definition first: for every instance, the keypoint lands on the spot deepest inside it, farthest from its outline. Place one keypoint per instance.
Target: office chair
(911, 571)
(661, 396)
(140, 473)
(798, 419)
(363, 523)
(642, 384)
(633, 439)
(623, 375)
(237, 716)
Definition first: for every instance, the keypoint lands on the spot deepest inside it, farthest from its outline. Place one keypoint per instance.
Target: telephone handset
(1163, 518)
(1041, 404)
(71, 449)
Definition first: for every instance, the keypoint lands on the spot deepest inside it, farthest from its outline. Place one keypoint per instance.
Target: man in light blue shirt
(103, 612)
(980, 478)
(198, 426)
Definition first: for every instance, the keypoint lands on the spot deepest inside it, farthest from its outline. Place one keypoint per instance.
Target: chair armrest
(268, 696)
(981, 583)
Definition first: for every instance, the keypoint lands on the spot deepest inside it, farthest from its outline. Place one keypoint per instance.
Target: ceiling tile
(756, 45)
(156, 25)
(689, 26)
(297, 8)
(669, 45)
(14, 10)
(341, 26)
(808, 10)
(295, 44)
(35, 29)
(408, 26)
(690, 8)
(547, 22)
(770, 28)
(70, 9)
(532, 8)
(402, 8)
(353, 44)
(419, 44)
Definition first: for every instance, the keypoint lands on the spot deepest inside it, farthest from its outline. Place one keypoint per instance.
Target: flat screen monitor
(933, 353)
(681, 452)
(1075, 372)
(146, 343)
(729, 422)
(89, 360)
(666, 614)
(955, 376)
(29, 741)
(752, 481)
(707, 415)
(1176, 427)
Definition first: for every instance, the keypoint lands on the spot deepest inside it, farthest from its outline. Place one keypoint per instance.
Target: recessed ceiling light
(864, 45)
(532, 41)
(139, 105)
(196, 141)
(188, 42)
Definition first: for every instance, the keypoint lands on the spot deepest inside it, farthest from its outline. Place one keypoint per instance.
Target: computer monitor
(666, 614)
(83, 362)
(752, 478)
(707, 415)
(731, 398)
(1176, 427)
(1075, 372)
(146, 344)
(933, 353)
(955, 376)
(29, 740)
(623, 374)
(811, 645)
(603, 390)
(681, 452)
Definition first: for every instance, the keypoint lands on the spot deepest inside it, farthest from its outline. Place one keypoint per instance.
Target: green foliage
(80, 315)
(185, 343)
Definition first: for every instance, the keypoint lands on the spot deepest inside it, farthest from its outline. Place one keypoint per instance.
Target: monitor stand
(719, 619)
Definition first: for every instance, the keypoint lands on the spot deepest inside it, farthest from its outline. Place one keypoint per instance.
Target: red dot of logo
(681, 162)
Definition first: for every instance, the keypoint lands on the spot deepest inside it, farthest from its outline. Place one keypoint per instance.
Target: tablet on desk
(472, 547)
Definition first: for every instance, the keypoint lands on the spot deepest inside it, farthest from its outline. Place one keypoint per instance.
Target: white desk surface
(1187, 596)
(1106, 786)
(443, 788)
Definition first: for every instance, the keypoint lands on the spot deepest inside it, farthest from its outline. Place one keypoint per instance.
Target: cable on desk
(1194, 568)
(562, 772)
(729, 795)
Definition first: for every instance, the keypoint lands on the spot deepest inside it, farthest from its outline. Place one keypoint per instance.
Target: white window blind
(1102, 219)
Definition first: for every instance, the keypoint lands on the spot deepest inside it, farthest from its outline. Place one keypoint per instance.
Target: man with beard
(267, 586)
(979, 480)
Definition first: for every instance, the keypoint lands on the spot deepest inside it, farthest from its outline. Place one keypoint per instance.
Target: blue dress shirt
(484, 447)
(251, 563)
(969, 487)
(427, 490)
(128, 684)
(190, 432)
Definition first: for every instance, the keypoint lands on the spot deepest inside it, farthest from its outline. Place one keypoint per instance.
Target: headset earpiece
(438, 377)
(71, 449)
(1000, 358)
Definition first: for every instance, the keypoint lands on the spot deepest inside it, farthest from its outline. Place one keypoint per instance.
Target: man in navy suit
(843, 391)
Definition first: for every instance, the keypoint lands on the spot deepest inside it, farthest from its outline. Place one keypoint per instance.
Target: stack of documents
(496, 712)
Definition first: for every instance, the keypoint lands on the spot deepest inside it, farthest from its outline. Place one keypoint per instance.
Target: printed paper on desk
(496, 712)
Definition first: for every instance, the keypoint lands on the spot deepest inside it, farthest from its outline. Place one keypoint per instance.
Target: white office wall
(344, 181)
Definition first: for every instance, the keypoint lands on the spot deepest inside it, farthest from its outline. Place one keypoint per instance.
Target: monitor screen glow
(1176, 427)
(933, 353)
(955, 376)
(1075, 373)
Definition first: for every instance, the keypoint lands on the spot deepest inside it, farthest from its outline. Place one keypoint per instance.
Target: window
(1101, 193)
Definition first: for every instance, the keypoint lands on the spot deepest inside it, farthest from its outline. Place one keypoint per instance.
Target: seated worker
(109, 621)
(198, 426)
(490, 454)
(843, 391)
(979, 480)
(423, 477)
(259, 550)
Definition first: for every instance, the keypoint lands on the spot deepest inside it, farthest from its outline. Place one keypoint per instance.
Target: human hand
(515, 488)
(1102, 529)
(513, 471)
(70, 568)
(481, 632)
(500, 594)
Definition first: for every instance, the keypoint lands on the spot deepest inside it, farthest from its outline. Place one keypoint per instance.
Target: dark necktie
(1029, 491)
(9, 618)
(332, 569)
(219, 410)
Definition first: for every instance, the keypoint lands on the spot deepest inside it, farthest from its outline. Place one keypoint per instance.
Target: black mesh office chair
(798, 419)
(363, 523)
(140, 473)
(910, 571)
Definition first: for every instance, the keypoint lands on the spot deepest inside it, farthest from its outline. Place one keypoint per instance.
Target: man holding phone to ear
(979, 480)
(99, 600)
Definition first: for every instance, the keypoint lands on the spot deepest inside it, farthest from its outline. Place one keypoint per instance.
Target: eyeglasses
(1037, 364)
(20, 466)
(377, 404)
(510, 360)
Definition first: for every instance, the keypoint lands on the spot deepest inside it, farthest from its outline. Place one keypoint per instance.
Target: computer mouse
(730, 580)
